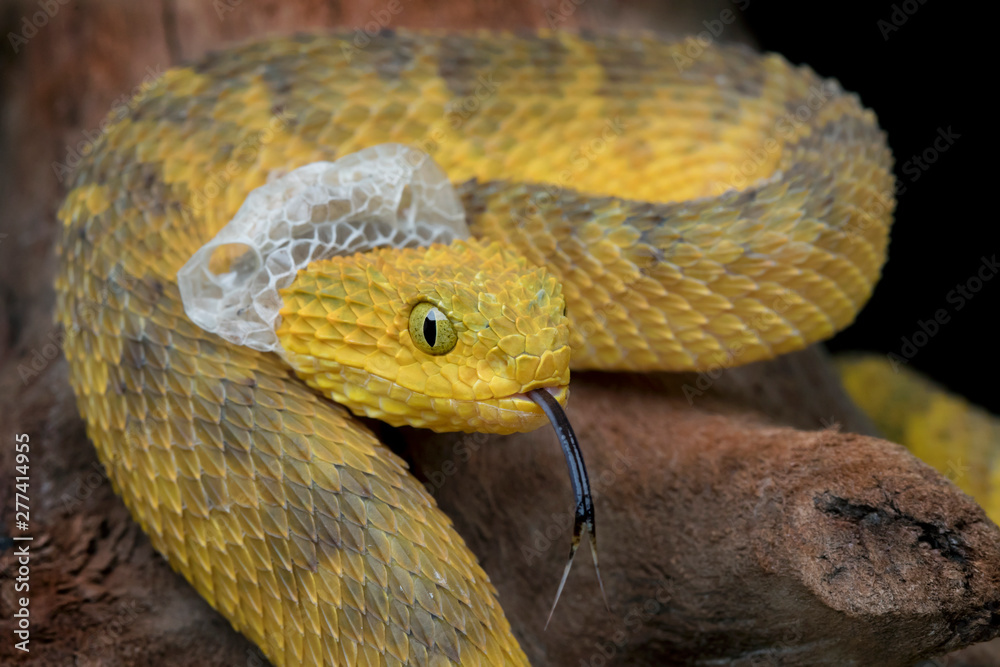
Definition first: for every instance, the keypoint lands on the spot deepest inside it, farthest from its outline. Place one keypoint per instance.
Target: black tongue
(584, 519)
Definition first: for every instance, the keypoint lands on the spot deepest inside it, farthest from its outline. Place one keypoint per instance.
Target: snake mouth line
(546, 399)
(558, 392)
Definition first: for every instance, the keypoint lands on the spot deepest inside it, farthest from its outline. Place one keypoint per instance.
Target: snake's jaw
(584, 504)
(351, 328)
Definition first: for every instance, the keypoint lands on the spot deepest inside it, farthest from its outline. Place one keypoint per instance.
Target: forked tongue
(584, 519)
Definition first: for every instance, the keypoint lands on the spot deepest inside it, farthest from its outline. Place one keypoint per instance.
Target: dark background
(931, 73)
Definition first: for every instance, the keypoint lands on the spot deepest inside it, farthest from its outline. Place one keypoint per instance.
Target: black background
(934, 72)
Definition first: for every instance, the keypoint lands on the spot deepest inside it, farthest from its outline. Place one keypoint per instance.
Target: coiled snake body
(695, 213)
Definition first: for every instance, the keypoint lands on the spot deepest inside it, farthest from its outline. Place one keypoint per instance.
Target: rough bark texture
(724, 537)
(737, 527)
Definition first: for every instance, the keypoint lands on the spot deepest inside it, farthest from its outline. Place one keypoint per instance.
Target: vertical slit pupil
(430, 326)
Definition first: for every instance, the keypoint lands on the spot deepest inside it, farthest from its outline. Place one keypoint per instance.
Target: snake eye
(431, 330)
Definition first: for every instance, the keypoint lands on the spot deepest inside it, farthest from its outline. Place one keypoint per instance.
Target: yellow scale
(279, 507)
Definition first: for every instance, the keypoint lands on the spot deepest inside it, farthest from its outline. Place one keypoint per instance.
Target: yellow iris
(431, 330)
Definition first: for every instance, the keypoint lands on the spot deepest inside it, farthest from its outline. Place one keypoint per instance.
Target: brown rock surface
(726, 536)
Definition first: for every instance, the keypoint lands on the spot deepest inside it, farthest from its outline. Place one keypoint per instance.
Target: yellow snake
(631, 207)
(961, 440)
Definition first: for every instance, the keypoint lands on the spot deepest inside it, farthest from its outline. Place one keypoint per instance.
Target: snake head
(446, 337)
